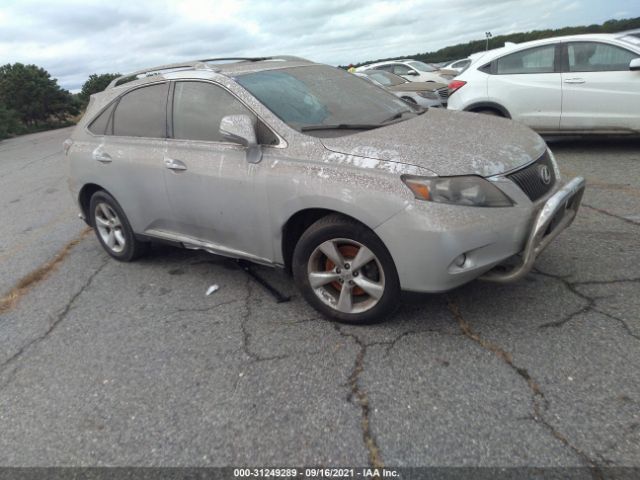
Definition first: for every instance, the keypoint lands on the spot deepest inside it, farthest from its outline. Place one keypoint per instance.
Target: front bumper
(557, 213)
(426, 239)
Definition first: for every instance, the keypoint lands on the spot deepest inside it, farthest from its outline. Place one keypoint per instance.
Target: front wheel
(344, 271)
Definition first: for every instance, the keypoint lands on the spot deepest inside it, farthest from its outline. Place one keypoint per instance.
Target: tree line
(30, 100)
(463, 50)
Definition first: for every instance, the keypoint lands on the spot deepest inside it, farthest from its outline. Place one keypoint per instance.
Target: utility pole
(488, 35)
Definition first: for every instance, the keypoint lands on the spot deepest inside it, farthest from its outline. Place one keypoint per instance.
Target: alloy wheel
(109, 227)
(346, 275)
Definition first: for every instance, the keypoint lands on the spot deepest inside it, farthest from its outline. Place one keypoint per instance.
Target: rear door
(128, 157)
(217, 197)
(527, 83)
(599, 92)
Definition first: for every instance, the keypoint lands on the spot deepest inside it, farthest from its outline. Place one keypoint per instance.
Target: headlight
(429, 95)
(469, 190)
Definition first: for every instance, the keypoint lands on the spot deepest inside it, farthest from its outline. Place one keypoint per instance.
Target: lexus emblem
(545, 174)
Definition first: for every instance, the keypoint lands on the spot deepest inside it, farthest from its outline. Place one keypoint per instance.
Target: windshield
(423, 67)
(385, 78)
(321, 95)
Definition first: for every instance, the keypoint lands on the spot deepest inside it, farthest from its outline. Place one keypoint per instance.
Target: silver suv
(294, 164)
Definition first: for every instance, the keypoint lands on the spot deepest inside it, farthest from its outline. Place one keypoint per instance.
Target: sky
(72, 39)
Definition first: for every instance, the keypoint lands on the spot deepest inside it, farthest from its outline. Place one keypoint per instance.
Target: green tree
(9, 122)
(96, 83)
(30, 91)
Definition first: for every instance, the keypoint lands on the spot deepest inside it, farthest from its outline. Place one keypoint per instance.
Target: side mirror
(635, 64)
(240, 129)
(412, 72)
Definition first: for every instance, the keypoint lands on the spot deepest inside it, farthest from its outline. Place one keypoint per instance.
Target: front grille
(530, 178)
(443, 93)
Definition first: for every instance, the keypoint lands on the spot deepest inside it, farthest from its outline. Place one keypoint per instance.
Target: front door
(218, 199)
(599, 92)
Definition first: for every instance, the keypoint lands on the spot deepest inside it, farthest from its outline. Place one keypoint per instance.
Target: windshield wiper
(340, 126)
(359, 126)
(398, 115)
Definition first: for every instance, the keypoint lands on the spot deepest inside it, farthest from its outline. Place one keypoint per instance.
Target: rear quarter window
(102, 124)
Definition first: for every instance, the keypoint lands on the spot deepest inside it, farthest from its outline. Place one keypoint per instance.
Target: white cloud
(74, 38)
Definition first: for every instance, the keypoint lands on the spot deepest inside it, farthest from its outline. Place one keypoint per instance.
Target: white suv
(572, 84)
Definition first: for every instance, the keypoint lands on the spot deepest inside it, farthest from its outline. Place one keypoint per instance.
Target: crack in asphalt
(206, 309)
(362, 399)
(591, 305)
(53, 325)
(609, 214)
(623, 323)
(246, 335)
(606, 282)
(390, 344)
(38, 275)
(539, 401)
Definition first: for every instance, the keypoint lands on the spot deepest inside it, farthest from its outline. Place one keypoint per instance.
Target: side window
(401, 69)
(386, 68)
(102, 124)
(532, 60)
(142, 112)
(598, 57)
(198, 108)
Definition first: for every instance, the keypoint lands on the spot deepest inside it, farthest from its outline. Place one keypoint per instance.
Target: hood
(417, 87)
(447, 143)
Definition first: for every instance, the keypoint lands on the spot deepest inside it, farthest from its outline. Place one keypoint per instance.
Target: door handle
(101, 156)
(574, 80)
(172, 164)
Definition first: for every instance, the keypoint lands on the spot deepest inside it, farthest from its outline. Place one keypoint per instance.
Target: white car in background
(408, 69)
(424, 94)
(574, 84)
(458, 65)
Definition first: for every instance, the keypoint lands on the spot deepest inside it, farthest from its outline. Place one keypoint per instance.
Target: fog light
(459, 260)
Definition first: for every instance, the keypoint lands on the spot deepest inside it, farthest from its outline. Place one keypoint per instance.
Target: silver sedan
(424, 94)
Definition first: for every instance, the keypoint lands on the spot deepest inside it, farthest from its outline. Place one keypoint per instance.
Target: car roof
(385, 62)
(207, 68)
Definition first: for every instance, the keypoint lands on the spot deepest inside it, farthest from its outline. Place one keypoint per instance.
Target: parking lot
(105, 363)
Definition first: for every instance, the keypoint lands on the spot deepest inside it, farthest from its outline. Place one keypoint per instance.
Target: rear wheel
(112, 228)
(344, 270)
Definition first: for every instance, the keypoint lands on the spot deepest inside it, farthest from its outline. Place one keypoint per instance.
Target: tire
(489, 111)
(113, 229)
(358, 294)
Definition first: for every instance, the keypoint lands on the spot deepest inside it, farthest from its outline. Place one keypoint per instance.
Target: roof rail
(129, 77)
(193, 64)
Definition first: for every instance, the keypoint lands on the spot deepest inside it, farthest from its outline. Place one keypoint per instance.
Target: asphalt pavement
(105, 363)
